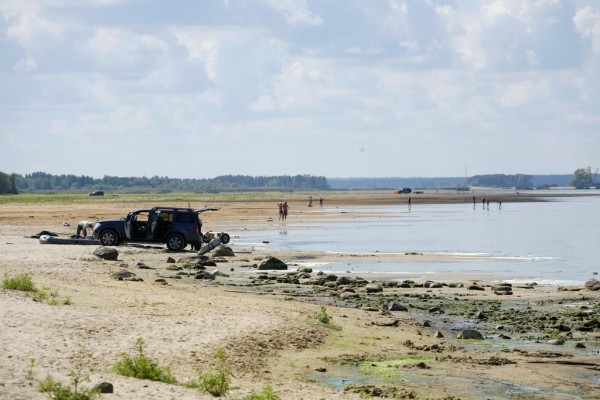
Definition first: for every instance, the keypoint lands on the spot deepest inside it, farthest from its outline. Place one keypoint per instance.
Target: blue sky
(340, 88)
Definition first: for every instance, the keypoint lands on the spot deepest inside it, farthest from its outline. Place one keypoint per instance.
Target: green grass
(57, 391)
(267, 394)
(21, 282)
(142, 367)
(326, 319)
(215, 379)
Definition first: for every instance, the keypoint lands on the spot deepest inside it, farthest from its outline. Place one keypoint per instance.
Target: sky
(335, 88)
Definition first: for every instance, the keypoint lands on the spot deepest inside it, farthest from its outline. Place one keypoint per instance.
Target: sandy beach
(539, 342)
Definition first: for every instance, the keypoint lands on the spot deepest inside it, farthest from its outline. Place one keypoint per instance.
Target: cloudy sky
(340, 88)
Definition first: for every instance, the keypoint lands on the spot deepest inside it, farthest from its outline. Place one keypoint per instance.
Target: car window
(185, 218)
(166, 216)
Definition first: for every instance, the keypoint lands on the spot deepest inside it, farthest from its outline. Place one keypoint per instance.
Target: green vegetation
(583, 178)
(7, 184)
(391, 368)
(141, 367)
(24, 283)
(58, 391)
(267, 394)
(214, 380)
(41, 181)
(21, 282)
(326, 319)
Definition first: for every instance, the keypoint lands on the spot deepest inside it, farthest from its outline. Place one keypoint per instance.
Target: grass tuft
(142, 367)
(216, 379)
(21, 282)
(267, 394)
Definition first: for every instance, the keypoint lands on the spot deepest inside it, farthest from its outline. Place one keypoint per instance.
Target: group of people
(310, 201)
(283, 211)
(486, 203)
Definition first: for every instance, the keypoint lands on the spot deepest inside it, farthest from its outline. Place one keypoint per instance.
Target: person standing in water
(285, 210)
(409, 203)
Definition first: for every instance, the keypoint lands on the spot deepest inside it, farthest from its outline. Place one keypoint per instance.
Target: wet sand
(266, 322)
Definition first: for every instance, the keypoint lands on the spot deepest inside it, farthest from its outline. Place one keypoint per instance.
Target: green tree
(583, 178)
(7, 184)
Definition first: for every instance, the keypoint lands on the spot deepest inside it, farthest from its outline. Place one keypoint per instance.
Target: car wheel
(175, 242)
(224, 238)
(109, 238)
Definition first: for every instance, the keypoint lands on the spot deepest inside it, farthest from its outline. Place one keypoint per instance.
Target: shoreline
(265, 320)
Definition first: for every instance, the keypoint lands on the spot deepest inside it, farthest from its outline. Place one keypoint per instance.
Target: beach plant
(267, 394)
(326, 319)
(56, 390)
(21, 282)
(141, 367)
(30, 372)
(216, 378)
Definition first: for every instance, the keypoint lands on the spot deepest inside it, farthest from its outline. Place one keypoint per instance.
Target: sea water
(555, 241)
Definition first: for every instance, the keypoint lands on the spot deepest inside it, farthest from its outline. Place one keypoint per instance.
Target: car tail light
(196, 228)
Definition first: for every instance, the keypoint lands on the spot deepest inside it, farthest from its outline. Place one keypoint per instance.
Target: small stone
(105, 387)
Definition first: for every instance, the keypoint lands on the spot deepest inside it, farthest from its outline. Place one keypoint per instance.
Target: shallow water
(549, 242)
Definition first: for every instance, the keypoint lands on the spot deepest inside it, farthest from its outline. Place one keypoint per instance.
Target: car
(173, 226)
(96, 193)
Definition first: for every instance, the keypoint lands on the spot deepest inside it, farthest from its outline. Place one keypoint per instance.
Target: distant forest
(43, 182)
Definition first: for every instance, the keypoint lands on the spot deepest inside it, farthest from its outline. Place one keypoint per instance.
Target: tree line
(42, 182)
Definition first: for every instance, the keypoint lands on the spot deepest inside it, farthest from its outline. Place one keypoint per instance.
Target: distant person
(280, 205)
(285, 210)
(499, 205)
(82, 227)
(474, 200)
(409, 203)
(483, 202)
(321, 201)
(488, 204)
(310, 201)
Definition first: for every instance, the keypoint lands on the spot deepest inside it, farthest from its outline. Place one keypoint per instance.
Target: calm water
(551, 242)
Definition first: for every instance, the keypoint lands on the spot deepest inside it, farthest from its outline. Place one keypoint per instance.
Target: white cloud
(29, 27)
(296, 12)
(202, 48)
(522, 93)
(587, 23)
(263, 103)
(26, 64)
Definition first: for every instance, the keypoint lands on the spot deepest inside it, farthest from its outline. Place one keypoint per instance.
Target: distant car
(176, 227)
(96, 193)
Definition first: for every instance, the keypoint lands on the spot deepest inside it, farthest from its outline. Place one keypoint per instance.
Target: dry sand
(268, 332)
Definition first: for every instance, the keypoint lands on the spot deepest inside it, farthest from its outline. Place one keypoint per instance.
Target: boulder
(470, 334)
(106, 253)
(104, 387)
(394, 306)
(344, 280)
(374, 288)
(272, 263)
(204, 275)
(170, 260)
(592, 284)
(349, 295)
(124, 275)
(475, 286)
(223, 251)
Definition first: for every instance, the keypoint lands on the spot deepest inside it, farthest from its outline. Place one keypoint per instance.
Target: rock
(124, 275)
(435, 309)
(470, 334)
(426, 324)
(474, 286)
(344, 280)
(556, 342)
(438, 335)
(223, 251)
(161, 281)
(306, 270)
(170, 260)
(142, 265)
(394, 306)
(373, 288)
(204, 275)
(349, 295)
(579, 345)
(190, 259)
(216, 272)
(272, 263)
(104, 387)
(480, 315)
(106, 253)
(503, 292)
(592, 284)
(503, 336)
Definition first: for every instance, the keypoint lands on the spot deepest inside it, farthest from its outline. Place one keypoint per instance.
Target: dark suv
(177, 227)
